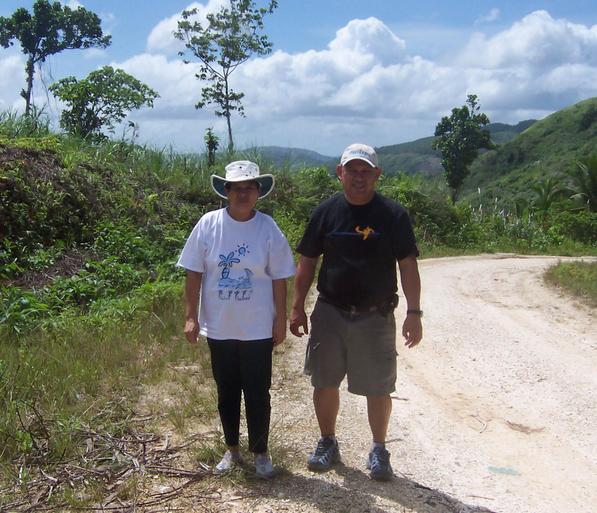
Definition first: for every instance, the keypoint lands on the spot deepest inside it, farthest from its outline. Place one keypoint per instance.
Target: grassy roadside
(579, 279)
(71, 388)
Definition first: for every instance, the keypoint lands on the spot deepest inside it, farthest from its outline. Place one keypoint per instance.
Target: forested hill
(410, 157)
(549, 147)
(418, 156)
(293, 158)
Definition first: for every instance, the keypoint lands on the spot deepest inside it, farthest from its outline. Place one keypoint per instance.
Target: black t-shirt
(360, 245)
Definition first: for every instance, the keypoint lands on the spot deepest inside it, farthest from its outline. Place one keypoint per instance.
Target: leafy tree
(584, 182)
(229, 38)
(212, 142)
(459, 138)
(51, 29)
(100, 100)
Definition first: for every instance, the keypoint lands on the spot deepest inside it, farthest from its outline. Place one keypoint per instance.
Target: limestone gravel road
(496, 410)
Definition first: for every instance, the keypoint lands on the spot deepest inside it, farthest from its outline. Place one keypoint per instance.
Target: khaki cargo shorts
(359, 346)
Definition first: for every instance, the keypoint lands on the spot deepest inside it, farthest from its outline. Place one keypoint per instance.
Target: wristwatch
(415, 312)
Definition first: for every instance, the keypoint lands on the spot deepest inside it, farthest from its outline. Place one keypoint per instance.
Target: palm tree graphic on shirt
(243, 283)
(227, 262)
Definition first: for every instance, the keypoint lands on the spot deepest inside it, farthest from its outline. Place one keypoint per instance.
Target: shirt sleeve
(192, 257)
(404, 237)
(280, 262)
(311, 244)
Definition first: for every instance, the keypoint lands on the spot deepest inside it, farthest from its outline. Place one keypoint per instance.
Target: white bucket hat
(241, 171)
(359, 152)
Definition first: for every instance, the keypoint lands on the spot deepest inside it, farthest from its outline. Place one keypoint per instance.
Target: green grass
(577, 278)
(88, 372)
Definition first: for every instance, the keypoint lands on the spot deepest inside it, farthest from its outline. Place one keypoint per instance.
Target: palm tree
(226, 262)
(584, 182)
(547, 193)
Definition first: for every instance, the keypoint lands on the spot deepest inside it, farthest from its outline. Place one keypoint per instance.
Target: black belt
(354, 309)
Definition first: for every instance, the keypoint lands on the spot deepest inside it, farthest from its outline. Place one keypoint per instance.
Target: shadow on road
(358, 493)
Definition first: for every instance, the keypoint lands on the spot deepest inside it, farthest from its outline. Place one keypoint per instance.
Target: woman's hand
(191, 330)
(279, 329)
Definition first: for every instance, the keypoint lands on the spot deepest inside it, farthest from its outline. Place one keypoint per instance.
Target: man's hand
(412, 330)
(298, 320)
(279, 330)
(191, 330)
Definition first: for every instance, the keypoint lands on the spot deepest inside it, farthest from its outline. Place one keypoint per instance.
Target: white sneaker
(229, 460)
(263, 466)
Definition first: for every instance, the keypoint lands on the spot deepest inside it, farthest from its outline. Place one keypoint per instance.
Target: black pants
(243, 366)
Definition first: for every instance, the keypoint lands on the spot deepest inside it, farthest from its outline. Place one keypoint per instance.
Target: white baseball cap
(240, 171)
(359, 151)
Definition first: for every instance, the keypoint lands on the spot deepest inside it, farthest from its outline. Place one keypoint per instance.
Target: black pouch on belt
(388, 306)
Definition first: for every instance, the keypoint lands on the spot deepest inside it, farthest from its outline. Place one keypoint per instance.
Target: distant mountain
(418, 156)
(502, 133)
(292, 158)
(546, 148)
(410, 157)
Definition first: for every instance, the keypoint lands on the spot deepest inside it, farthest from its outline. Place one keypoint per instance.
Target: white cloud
(366, 86)
(73, 4)
(493, 15)
(161, 39)
(95, 53)
(369, 37)
(175, 82)
(537, 41)
(12, 80)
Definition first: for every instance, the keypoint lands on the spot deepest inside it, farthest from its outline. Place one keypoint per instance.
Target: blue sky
(380, 71)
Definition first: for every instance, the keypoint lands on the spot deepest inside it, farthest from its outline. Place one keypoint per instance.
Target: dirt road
(501, 400)
(494, 412)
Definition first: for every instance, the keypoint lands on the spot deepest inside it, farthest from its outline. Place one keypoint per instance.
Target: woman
(237, 260)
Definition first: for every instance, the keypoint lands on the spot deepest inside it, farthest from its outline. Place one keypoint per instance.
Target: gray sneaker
(325, 455)
(379, 466)
(228, 461)
(263, 466)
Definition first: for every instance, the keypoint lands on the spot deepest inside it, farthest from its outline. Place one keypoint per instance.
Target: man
(361, 235)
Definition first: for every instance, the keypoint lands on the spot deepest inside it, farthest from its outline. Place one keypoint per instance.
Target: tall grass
(576, 278)
(73, 372)
(14, 124)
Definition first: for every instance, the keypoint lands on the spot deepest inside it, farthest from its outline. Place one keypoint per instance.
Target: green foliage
(41, 201)
(580, 226)
(459, 138)
(51, 29)
(584, 182)
(21, 311)
(211, 142)
(96, 280)
(100, 100)
(12, 125)
(297, 194)
(78, 372)
(546, 193)
(230, 37)
(549, 147)
(578, 278)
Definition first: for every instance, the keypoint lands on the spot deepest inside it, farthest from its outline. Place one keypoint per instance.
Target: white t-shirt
(238, 260)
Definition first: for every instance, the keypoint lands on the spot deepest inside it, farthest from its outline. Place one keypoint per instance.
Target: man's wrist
(414, 311)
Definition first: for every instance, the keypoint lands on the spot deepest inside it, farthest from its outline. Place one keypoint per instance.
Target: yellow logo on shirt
(365, 232)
